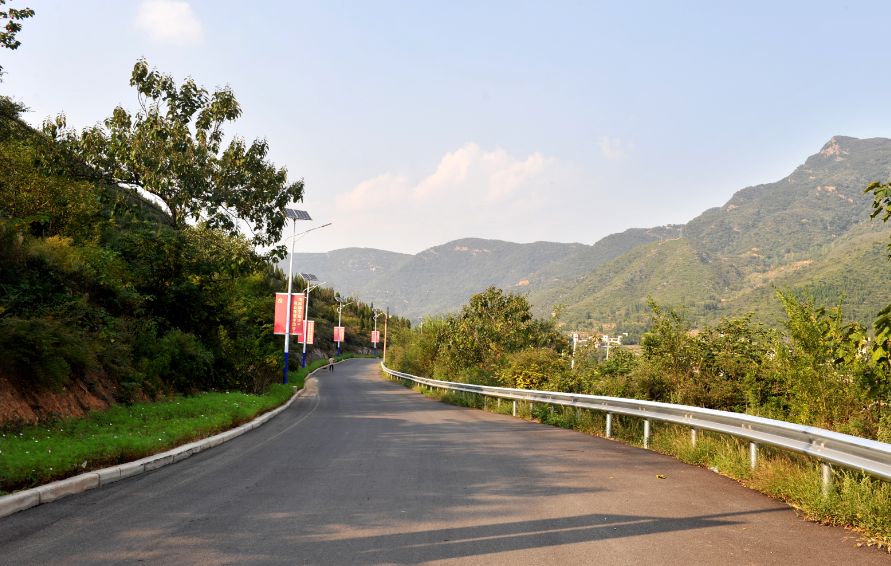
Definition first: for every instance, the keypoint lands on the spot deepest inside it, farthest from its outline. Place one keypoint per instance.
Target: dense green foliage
(172, 150)
(100, 285)
(487, 336)
(816, 371)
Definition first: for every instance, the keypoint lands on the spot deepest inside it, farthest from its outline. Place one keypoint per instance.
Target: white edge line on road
(28, 498)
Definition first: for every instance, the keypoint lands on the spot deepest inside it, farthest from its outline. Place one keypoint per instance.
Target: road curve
(364, 471)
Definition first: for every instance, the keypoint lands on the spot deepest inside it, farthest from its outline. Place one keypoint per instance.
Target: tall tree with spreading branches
(172, 149)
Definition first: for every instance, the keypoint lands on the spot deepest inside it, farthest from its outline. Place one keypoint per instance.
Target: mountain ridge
(785, 231)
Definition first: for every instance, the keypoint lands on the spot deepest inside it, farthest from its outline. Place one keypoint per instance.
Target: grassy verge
(857, 501)
(38, 454)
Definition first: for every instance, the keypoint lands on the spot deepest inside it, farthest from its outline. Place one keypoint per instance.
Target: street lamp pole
(294, 215)
(386, 319)
(377, 313)
(309, 278)
(339, 316)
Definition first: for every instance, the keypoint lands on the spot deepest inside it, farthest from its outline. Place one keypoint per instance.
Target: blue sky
(418, 123)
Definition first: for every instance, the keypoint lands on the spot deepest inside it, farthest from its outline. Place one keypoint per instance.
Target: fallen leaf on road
(661, 477)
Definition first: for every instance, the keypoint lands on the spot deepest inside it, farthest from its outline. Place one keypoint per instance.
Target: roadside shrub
(176, 358)
(43, 351)
(539, 368)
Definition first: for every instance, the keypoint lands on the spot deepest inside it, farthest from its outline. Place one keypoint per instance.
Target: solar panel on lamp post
(343, 302)
(309, 278)
(294, 215)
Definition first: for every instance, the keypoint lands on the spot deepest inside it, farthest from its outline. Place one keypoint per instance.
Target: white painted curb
(28, 498)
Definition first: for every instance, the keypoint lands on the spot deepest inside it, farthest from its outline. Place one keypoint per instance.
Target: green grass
(38, 454)
(856, 501)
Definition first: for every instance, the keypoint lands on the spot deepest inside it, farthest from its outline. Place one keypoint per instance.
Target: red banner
(375, 336)
(298, 305)
(339, 333)
(310, 332)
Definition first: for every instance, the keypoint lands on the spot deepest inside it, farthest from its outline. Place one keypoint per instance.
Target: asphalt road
(364, 471)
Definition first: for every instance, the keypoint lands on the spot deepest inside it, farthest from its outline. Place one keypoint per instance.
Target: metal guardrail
(830, 448)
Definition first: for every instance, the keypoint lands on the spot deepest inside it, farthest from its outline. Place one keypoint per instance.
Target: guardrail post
(515, 407)
(485, 403)
(499, 403)
(609, 425)
(693, 433)
(646, 433)
(753, 454)
(826, 473)
(578, 414)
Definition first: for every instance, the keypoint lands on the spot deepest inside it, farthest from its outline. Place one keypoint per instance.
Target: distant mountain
(810, 229)
(592, 257)
(437, 280)
(349, 269)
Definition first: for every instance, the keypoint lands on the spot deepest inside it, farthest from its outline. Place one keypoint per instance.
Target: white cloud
(472, 192)
(168, 21)
(612, 149)
(470, 173)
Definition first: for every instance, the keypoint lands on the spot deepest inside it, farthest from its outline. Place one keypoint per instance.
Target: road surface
(364, 471)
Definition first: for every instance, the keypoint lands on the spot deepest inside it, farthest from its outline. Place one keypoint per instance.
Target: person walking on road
(330, 364)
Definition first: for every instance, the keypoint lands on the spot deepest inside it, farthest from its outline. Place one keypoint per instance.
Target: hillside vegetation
(438, 279)
(106, 298)
(811, 229)
(347, 270)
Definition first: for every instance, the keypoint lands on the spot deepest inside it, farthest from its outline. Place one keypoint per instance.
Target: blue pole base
(285, 381)
(304, 359)
(338, 349)
(375, 349)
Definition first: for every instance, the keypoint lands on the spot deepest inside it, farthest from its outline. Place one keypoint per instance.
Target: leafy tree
(668, 342)
(13, 26)
(539, 369)
(173, 150)
(493, 324)
(881, 348)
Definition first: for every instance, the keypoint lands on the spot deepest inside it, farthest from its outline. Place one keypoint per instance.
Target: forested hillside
(811, 229)
(438, 279)
(348, 270)
(590, 258)
(110, 296)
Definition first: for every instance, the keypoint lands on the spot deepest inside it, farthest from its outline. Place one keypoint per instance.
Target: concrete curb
(28, 498)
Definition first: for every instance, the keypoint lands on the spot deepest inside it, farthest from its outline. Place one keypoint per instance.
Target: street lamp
(294, 215)
(342, 303)
(309, 278)
(377, 313)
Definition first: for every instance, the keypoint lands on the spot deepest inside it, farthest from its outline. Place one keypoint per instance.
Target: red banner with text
(310, 332)
(298, 305)
(375, 336)
(339, 333)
